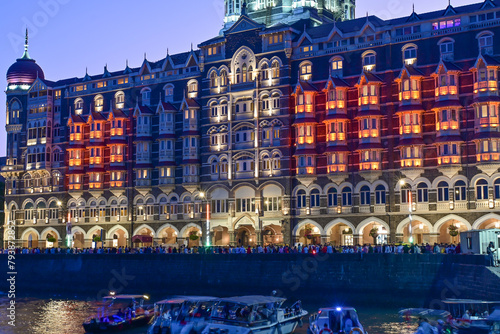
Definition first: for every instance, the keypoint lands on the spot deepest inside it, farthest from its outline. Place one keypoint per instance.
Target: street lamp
(409, 195)
(207, 227)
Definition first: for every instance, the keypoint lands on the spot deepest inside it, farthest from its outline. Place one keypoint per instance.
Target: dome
(24, 71)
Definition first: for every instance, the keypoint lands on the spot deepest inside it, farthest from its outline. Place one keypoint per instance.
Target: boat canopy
(126, 297)
(253, 300)
(182, 299)
(469, 301)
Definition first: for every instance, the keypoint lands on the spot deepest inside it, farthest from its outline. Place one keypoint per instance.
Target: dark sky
(67, 36)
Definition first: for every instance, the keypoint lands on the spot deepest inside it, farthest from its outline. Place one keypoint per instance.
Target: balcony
(484, 86)
(75, 137)
(410, 129)
(116, 158)
(305, 171)
(117, 184)
(486, 122)
(304, 108)
(374, 133)
(369, 165)
(448, 125)
(409, 95)
(446, 90)
(238, 87)
(191, 179)
(335, 136)
(143, 157)
(336, 168)
(379, 208)
(338, 104)
(75, 162)
(364, 209)
(488, 157)
(412, 162)
(449, 160)
(368, 100)
(96, 136)
(143, 182)
(422, 207)
(305, 140)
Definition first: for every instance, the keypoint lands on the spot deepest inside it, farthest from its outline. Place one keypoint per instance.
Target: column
(232, 237)
(260, 237)
(358, 239)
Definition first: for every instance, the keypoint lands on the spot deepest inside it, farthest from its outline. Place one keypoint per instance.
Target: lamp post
(410, 230)
(207, 223)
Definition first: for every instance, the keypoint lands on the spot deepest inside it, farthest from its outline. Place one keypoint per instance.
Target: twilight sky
(66, 36)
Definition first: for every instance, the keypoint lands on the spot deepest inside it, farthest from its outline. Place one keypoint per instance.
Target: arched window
(163, 206)
(244, 73)
(410, 54)
(422, 193)
(336, 67)
(264, 70)
(497, 188)
(275, 69)
(380, 195)
(28, 211)
(305, 71)
(78, 106)
(443, 192)
(446, 48)
(301, 199)
(146, 96)
(223, 78)
(369, 60)
(460, 191)
(482, 189)
(213, 80)
(98, 103)
(119, 100)
(332, 197)
(173, 205)
(169, 93)
(347, 196)
(315, 198)
(364, 195)
(485, 41)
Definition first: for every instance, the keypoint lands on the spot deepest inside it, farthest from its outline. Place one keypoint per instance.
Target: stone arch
(50, 230)
(244, 219)
(143, 226)
(299, 187)
(115, 229)
(477, 224)
(303, 223)
(28, 231)
(362, 184)
(447, 218)
(361, 226)
(402, 224)
(440, 179)
(335, 222)
(166, 226)
(187, 227)
(93, 229)
(477, 177)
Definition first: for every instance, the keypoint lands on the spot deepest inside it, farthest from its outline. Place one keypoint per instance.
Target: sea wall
(426, 276)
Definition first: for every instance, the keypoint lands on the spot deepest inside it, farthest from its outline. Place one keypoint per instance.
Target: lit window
(410, 55)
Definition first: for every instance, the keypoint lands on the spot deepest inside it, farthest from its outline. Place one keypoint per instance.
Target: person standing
(490, 250)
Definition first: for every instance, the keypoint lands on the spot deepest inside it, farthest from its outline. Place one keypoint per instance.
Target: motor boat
(254, 314)
(182, 314)
(333, 320)
(471, 316)
(109, 319)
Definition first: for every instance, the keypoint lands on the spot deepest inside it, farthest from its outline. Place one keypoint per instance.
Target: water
(65, 316)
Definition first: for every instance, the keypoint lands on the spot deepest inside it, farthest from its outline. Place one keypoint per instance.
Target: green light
(411, 240)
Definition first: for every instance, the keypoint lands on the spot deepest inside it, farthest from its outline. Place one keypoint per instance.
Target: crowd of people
(268, 249)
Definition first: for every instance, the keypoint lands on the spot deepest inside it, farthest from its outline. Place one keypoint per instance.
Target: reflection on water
(52, 316)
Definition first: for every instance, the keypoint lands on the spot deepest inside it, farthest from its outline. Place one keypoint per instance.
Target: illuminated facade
(307, 131)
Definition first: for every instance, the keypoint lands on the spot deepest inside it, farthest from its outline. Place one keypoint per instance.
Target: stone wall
(372, 276)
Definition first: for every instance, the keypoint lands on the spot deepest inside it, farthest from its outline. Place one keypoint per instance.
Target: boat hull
(114, 327)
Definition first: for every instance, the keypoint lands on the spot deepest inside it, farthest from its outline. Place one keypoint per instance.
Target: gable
(243, 24)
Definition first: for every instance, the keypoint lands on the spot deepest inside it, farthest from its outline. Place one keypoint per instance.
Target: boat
(109, 319)
(471, 316)
(182, 314)
(335, 320)
(254, 314)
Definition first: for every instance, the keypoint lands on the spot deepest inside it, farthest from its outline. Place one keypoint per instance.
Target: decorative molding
(488, 168)
(412, 173)
(450, 171)
(371, 175)
(338, 178)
